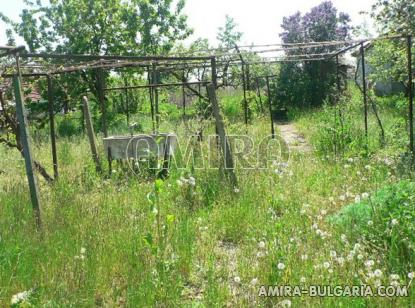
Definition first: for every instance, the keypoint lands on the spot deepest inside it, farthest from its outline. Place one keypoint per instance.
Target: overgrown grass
(126, 241)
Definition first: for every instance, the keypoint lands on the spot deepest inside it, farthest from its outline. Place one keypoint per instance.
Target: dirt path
(293, 137)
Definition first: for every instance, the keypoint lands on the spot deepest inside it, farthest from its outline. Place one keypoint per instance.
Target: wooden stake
(26, 144)
(270, 109)
(410, 96)
(52, 127)
(362, 50)
(220, 127)
(102, 101)
(91, 134)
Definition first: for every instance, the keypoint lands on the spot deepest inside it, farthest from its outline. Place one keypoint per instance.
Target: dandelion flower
(20, 297)
(237, 279)
(285, 303)
(333, 254)
(302, 280)
(365, 195)
(369, 263)
(370, 223)
(378, 273)
(281, 266)
(394, 277)
(326, 264)
(411, 275)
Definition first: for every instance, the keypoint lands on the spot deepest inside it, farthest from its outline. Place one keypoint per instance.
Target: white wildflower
(394, 277)
(357, 199)
(237, 279)
(261, 245)
(370, 223)
(411, 275)
(281, 266)
(254, 281)
(236, 190)
(304, 257)
(394, 222)
(21, 297)
(326, 264)
(378, 273)
(333, 254)
(192, 181)
(302, 280)
(369, 263)
(365, 195)
(285, 303)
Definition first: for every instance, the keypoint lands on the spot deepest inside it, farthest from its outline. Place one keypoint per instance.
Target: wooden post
(184, 101)
(52, 127)
(26, 144)
(91, 134)
(220, 127)
(259, 94)
(102, 102)
(156, 96)
(151, 92)
(127, 103)
(214, 72)
(362, 50)
(270, 109)
(410, 96)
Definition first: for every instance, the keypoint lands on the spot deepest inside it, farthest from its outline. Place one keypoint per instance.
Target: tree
(395, 16)
(310, 82)
(389, 57)
(105, 27)
(228, 36)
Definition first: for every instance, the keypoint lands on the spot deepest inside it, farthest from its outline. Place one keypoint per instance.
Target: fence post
(52, 127)
(102, 102)
(411, 96)
(220, 128)
(270, 109)
(91, 134)
(362, 51)
(27, 151)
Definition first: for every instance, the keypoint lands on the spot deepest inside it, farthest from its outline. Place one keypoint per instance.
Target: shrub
(69, 125)
(386, 221)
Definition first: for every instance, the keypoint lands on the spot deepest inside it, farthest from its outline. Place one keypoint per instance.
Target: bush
(386, 221)
(69, 125)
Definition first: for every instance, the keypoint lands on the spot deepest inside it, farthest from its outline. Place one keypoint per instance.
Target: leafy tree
(310, 82)
(228, 36)
(105, 27)
(394, 16)
(388, 60)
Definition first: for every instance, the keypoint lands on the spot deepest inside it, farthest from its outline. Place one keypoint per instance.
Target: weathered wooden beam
(270, 108)
(91, 134)
(410, 96)
(102, 100)
(27, 150)
(362, 50)
(224, 142)
(52, 127)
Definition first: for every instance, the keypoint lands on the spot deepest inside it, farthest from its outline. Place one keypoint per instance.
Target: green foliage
(311, 82)
(387, 221)
(69, 125)
(228, 36)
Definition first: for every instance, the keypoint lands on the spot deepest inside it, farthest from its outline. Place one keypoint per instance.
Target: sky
(259, 20)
